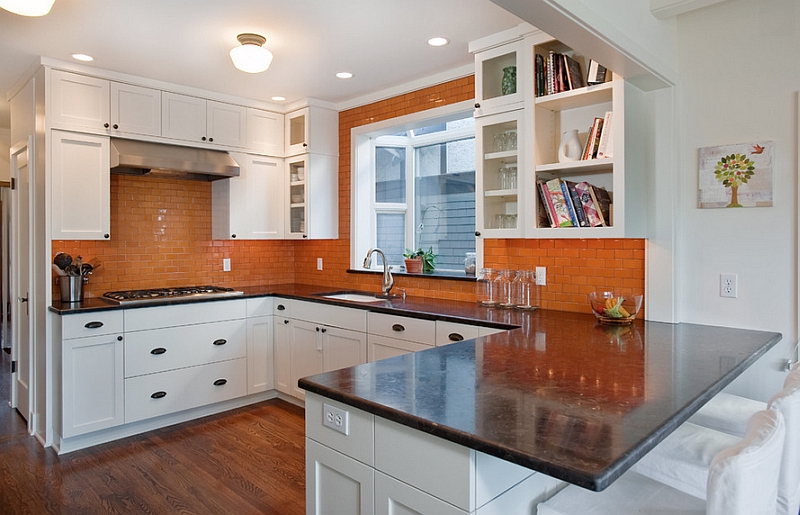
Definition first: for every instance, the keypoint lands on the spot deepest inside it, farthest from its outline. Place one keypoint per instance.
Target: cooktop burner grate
(177, 293)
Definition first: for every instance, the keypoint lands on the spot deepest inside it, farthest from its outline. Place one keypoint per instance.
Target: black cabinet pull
(105, 125)
(455, 337)
(119, 338)
(210, 139)
(317, 329)
(116, 126)
(158, 395)
(220, 382)
(106, 236)
(324, 330)
(280, 307)
(305, 236)
(158, 350)
(221, 341)
(93, 325)
(477, 105)
(233, 236)
(398, 327)
(203, 138)
(477, 233)
(285, 321)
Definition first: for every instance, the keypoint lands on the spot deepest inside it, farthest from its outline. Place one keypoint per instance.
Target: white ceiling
(382, 42)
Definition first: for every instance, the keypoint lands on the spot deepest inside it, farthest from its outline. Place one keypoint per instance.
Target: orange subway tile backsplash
(161, 236)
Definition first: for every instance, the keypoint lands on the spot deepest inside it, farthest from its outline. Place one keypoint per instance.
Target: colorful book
(576, 204)
(584, 191)
(594, 139)
(544, 219)
(562, 217)
(540, 76)
(574, 73)
(595, 73)
(603, 202)
(568, 201)
(544, 195)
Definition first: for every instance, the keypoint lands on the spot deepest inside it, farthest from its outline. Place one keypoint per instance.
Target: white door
(265, 197)
(306, 354)
(21, 329)
(342, 348)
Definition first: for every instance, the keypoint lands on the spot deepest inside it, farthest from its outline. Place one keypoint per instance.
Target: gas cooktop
(178, 293)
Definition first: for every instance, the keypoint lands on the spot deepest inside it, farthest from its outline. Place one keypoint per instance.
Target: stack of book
(556, 73)
(600, 143)
(573, 204)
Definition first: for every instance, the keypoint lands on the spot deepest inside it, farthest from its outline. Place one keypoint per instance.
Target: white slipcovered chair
(742, 480)
(683, 458)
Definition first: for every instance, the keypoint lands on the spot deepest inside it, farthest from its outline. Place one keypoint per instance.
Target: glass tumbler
(504, 288)
(525, 290)
(486, 295)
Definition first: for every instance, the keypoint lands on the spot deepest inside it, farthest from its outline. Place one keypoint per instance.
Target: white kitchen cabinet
(100, 106)
(92, 383)
(198, 120)
(336, 483)
(393, 496)
(380, 347)
(306, 357)
(265, 132)
(342, 348)
(394, 335)
(312, 197)
(451, 332)
(81, 186)
(312, 129)
(250, 206)
(282, 352)
(260, 361)
(490, 66)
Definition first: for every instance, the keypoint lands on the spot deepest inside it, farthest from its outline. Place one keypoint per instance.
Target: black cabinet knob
(477, 233)
(203, 138)
(119, 338)
(305, 236)
(106, 236)
(233, 236)
(477, 105)
(285, 321)
(317, 329)
(210, 139)
(105, 125)
(324, 330)
(116, 126)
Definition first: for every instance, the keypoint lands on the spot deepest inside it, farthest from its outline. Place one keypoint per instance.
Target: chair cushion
(727, 413)
(683, 458)
(787, 402)
(631, 493)
(743, 479)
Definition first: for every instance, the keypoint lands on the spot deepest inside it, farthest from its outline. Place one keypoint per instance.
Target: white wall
(739, 82)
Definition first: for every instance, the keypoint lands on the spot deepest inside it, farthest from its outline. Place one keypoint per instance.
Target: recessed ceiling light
(438, 41)
(83, 57)
(344, 75)
(279, 99)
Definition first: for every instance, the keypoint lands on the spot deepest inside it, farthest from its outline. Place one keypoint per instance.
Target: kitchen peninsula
(561, 395)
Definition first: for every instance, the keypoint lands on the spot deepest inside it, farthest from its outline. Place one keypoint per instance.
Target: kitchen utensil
(86, 269)
(78, 262)
(62, 260)
(59, 272)
(72, 270)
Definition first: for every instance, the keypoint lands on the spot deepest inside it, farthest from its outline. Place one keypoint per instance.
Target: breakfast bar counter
(561, 394)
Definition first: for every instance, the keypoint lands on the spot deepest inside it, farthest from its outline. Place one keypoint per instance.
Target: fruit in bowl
(613, 307)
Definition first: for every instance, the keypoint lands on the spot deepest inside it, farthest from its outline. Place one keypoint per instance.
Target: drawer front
(404, 328)
(440, 467)
(168, 392)
(393, 496)
(379, 348)
(147, 352)
(282, 307)
(91, 324)
(330, 315)
(184, 314)
(451, 332)
(259, 307)
(357, 443)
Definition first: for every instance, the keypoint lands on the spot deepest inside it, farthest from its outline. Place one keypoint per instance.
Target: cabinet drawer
(379, 348)
(157, 350)
(451, 332)
(404, 328)
(282, 307)
(159, 394)
(259, 307)
(333, 316)
(91, 324)
(393, 496)
(357, 443)
(184, 314)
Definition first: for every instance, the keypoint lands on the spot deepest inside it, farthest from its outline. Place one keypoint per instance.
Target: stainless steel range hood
(160, 160)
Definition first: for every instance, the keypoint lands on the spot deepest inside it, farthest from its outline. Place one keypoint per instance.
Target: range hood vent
(159, 160)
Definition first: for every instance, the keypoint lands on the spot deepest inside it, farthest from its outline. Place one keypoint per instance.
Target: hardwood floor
(251, 460)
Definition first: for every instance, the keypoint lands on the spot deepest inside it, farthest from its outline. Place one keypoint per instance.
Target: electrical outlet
(728, 286)
(226, 265)
(335, 418)
(541, 276)
(319, 263)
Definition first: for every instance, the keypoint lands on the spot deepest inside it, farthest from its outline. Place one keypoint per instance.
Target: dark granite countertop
(562, 394)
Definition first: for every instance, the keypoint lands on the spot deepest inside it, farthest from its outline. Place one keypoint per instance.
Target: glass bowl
(615, 307)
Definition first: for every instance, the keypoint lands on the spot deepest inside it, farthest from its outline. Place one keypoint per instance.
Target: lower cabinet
(260, 371)
(336, 483)
(92, 384)
(393, 496)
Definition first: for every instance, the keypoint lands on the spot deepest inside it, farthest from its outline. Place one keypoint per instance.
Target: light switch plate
(226, 265)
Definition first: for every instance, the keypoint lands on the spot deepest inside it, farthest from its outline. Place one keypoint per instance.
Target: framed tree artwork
(735, 175)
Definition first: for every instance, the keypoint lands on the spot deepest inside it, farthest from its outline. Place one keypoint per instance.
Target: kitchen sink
(352, 296)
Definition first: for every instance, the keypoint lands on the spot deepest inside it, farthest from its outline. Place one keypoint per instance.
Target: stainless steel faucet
(388, 280)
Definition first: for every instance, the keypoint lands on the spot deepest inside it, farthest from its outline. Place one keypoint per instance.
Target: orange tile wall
(161, 236)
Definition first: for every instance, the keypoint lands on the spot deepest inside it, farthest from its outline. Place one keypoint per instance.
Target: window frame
(364, 139)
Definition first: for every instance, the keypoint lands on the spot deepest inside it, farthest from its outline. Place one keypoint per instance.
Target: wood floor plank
(246, 461)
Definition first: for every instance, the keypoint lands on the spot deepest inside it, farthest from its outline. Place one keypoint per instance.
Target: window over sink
(414, 187)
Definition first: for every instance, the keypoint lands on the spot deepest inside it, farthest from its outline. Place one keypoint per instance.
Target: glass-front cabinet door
(298, 196)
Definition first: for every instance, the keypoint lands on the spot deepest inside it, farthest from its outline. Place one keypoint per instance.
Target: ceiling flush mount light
(251, 57)
(279, 99)
(344, 75)
(438, 41)
(27, 7)
(83, 57)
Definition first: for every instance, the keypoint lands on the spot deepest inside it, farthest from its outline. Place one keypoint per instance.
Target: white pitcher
(570, 148)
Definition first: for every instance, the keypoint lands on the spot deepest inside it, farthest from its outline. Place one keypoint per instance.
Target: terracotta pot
(414, 266)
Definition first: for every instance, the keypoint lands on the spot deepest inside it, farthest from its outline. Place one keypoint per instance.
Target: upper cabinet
(526, 177)
(81, 186)
(313, 129)
(100, 106)
(312, 203)
(264, 132)
(203, 121)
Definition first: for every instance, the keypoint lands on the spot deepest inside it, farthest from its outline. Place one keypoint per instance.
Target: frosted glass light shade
(27, 7)
(250, 56)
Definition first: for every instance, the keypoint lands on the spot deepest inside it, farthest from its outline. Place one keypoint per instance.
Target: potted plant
(420, 261)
